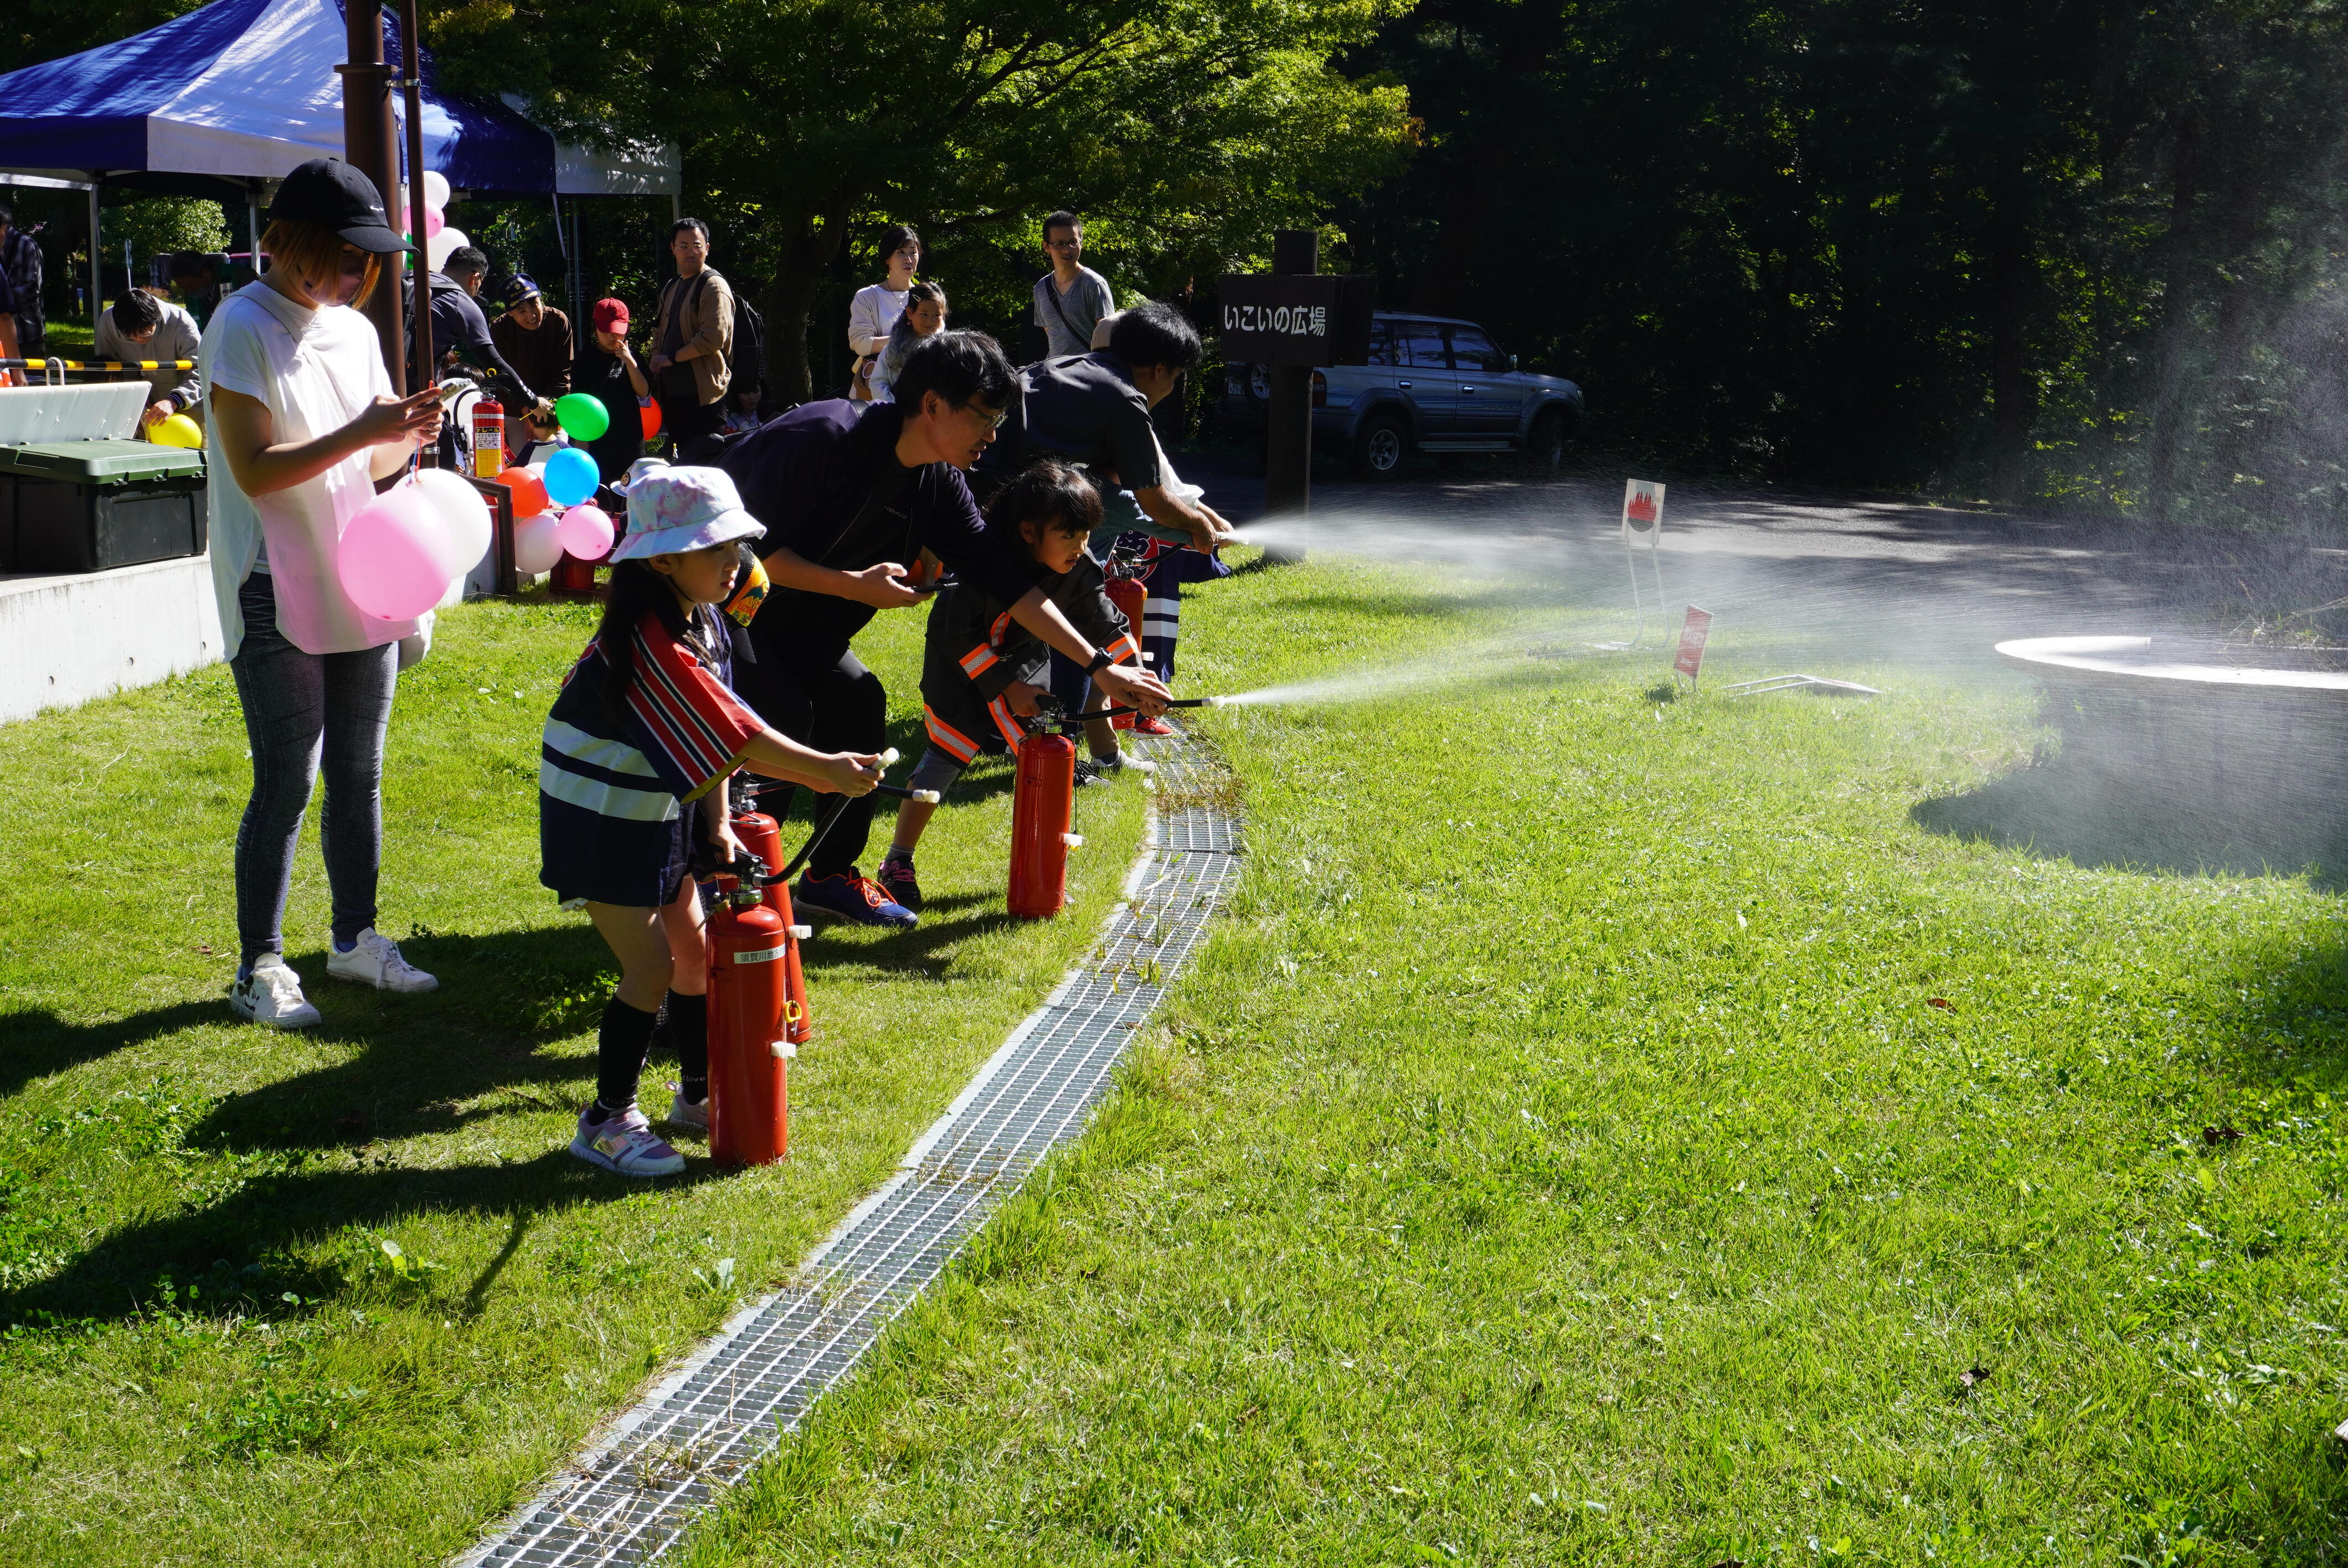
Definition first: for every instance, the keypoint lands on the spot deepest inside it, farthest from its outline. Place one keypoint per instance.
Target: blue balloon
(570, 476)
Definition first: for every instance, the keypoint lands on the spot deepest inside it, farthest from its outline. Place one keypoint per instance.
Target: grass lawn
(1613, 1131)
(209, 1351)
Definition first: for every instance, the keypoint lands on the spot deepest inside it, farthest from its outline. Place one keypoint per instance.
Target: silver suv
(1433, 383)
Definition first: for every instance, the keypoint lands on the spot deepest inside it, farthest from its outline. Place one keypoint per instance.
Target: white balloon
(436, 188)
(464, 515)
(538, 543)
(441, 246)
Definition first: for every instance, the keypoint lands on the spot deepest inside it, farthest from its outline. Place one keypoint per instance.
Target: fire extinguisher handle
(801, 933)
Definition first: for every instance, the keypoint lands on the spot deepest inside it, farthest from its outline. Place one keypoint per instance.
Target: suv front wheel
(1380, 447)
(1544, 451)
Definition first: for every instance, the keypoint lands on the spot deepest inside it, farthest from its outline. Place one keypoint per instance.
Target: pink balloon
(393, 558)
(538, 543)
(433, 222)
(587, 532)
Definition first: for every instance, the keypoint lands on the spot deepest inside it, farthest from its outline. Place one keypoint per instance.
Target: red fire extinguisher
(1128, 594)
(749, 1053)
(762, 835)
(1042, 797)
(488, 438)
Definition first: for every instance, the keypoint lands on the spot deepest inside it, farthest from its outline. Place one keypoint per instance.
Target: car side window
(1473, 351)
(1381, 344)
(1423, 348)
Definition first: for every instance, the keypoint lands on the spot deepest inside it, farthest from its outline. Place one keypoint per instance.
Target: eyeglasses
(993, 421)
(1061, 244)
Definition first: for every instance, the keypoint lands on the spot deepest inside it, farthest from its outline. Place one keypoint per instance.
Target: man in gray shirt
(1070, 300)
(139, 326)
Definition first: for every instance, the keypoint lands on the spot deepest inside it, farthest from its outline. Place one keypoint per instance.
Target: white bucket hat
(672, 509)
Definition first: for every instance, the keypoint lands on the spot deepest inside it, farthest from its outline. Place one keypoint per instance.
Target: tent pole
(410, 58)
(675, 205)
(370, 146)
(96, 266)
(253, 223)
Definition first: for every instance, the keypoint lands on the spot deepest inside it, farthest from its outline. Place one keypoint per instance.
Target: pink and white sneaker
(625, 1144)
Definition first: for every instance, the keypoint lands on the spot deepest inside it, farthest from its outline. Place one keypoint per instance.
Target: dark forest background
(2084, 252)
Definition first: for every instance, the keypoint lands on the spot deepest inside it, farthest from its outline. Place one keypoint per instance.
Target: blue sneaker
(852, 896)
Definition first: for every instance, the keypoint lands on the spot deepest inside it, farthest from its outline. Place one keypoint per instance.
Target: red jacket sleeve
(698, 730)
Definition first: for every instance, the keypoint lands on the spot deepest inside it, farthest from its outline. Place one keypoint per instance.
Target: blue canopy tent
(228, 98)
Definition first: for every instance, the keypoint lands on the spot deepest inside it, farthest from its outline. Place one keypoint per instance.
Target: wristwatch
(1101, 660)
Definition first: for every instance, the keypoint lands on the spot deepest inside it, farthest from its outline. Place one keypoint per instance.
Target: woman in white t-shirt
(303, 423)
(872, 314)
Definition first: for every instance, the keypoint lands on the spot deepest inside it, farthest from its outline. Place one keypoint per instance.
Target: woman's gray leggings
(302, 710)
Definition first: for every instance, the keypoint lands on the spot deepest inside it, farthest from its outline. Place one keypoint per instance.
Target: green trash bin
(87, 506)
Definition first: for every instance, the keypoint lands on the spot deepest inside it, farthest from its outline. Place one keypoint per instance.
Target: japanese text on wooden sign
(1309, 319)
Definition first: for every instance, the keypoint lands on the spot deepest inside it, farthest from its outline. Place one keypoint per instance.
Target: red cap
(610, 316)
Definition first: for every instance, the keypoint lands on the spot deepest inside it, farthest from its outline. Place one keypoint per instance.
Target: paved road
(1872, 571)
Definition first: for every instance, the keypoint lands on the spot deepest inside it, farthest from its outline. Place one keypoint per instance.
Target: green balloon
(581, 416)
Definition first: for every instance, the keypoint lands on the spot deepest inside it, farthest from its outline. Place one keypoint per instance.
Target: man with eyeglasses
(853, 496)
(1070, 300)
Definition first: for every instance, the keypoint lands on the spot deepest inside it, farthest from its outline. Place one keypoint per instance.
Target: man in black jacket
(851, 495)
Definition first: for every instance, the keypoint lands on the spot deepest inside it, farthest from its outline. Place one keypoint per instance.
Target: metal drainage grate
(629, 1496)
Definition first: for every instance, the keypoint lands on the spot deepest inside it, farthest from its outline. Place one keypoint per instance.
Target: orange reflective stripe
(1006, 721)
(979, 660)
(951, 741)
(1124, 650)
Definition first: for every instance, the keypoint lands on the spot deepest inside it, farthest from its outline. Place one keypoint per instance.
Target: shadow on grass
(2058, 813)
(240, 1250)
(41, 1043)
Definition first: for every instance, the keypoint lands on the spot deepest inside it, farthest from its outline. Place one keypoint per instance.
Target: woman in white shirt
(872, 314)
(302, 423)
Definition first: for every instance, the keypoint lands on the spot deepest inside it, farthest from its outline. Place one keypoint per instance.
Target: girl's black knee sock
(688, 1030)
(620, 1047)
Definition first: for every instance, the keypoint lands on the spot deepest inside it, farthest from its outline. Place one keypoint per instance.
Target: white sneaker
(684, 1112)
(375, 960)
(272, 996)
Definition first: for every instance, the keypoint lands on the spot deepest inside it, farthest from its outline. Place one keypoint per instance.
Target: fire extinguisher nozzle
(1073, 840)
(801, 933)
(926, 796)
(888, 757)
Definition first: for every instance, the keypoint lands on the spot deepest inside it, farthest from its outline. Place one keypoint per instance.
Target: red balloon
(528, 494)
(650, 413)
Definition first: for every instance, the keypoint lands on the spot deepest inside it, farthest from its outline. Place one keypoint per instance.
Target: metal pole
(409, 57)
(368, 140)
(252, 223)
(1288, 435)
(96, 274)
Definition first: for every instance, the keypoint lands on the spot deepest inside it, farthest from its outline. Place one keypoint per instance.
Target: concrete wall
(64, 639)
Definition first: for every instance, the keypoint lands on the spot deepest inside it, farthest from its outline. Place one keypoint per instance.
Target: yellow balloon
(176, 430)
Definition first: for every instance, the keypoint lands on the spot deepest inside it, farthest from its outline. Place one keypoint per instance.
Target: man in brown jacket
(693, 345)
(535, 338)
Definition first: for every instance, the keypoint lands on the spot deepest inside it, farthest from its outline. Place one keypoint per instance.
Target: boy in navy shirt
(981, 670)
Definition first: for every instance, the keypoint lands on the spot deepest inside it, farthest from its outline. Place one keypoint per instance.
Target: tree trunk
(808, 247)
(2012, 401)
(2234, 394)
(2169, 400)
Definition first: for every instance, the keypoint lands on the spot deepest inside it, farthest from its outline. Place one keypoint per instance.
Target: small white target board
(1643, 511)
(1695, 632)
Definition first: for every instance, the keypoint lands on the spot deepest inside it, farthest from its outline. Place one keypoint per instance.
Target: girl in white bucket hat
(632, 779)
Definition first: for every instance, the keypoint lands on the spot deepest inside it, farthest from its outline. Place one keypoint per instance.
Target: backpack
(749, 347)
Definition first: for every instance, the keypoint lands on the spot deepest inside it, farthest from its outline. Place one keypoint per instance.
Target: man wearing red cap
(606, 370)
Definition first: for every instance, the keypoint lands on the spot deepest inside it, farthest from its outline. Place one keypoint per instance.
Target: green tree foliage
(2078, 249)
(1184, 130)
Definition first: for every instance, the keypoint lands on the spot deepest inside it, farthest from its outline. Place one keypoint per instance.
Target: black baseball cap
(328, 191)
